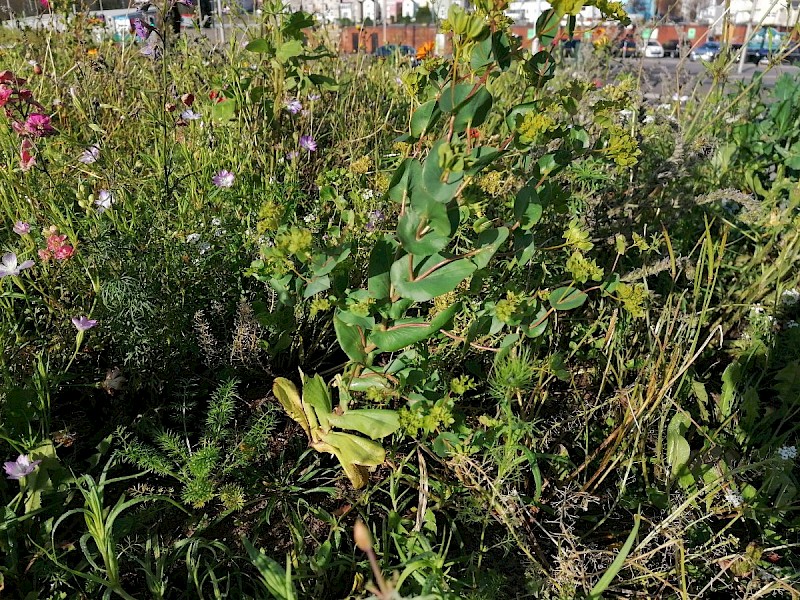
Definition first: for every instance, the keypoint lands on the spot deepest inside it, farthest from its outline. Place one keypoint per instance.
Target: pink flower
(26, 158)
(223, 179)
(307, 142)
(58, 247)
(38, 125)
(83, 323)
(55, 241)
(45, 4)
(21, 228)
(22, 467)
(44, 254)
(64, 252)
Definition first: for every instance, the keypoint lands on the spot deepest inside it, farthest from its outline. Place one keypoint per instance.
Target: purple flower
(190, 115)
(21, 228)
(314, 97)
(294, 106)
(38, 125)
(90, 155)
(21, 467)
(83, 323)
(375, 217)
(223, 179)
(291, 155)
(307, 142)
(9, 265)
(104, 201)
(141, 29)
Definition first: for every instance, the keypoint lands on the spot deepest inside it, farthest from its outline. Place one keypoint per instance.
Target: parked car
(652, 49)
(708, 51)
(391, 50)
(675, 48)
(626, 48)
(789, 53)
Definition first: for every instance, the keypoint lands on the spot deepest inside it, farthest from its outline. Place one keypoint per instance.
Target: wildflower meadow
(283, 322)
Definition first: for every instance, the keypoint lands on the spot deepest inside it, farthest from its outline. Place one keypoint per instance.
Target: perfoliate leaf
(372, 422)
(286, 393)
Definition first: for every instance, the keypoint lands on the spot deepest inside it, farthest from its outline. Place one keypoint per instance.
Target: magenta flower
(294, 106)
(90, 155)
(307, 142)
(21, 228)
(26, 157)
(38, 125)
(5, 94)
(223, 179)
(83, 323)
(22, 467)
(10, 266)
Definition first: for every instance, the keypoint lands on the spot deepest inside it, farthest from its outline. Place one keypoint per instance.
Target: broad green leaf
(567, 298)
(454, 96)
(405, 332)
(424, 233)
(372, 422)
(317, 395)
(424, 118)
(678, 450)
(380, 261)
(286, 393)
(289, 50)
(224, 111)
(731, 377)
(488, 244)
(355, 449)
(527, 209)
(547, 26)
(423, 278)
(350, 338)
(433, 182)
(317, 285)
(474, 112)
(260, 46)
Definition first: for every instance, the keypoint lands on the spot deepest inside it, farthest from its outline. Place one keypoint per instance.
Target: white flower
(787, 452)
(216, 222)
(757, 309)
(309, 218)
(625, 113)
(733, 498)
(792, 324)
(367, 194)
(192, 238)
(204, 247)
(790, 297)
(104, 201)
(9, 265)
(649, 119)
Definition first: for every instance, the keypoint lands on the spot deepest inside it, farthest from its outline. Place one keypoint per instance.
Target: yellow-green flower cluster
(495, 183)
(575, 236)
(633, 298)
(361, 165)
(621, 147)
(461, 385)
(295, 242)
(507, 308)
(583, 269)
(535, 124)
(269, 217)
